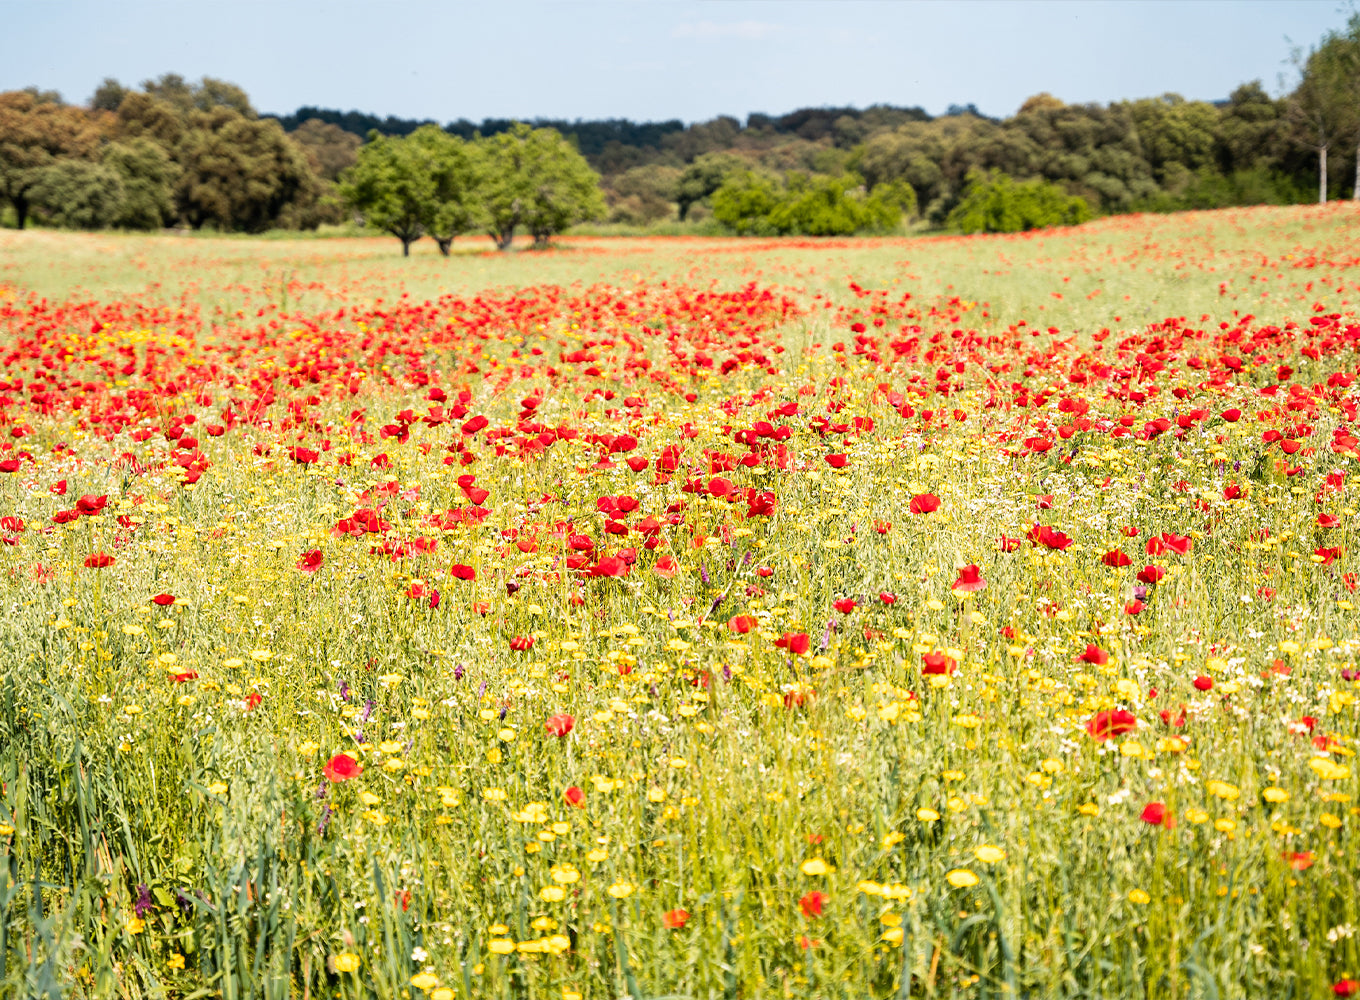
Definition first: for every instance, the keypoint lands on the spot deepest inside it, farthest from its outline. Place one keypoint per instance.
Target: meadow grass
(805, 757)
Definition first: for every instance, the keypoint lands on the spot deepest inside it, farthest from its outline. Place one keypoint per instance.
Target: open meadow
(930, 617)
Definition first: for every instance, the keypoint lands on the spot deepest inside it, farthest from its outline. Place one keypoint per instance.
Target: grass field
(931, 617)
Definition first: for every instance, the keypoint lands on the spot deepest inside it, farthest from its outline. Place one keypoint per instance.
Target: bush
(817, 205)
(996, 203)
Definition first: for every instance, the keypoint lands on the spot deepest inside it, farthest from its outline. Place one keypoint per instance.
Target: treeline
(174, 153)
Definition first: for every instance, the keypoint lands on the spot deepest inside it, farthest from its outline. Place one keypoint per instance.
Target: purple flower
(703, 571)
(458, 672)
(344, 690)
(368, 710)
(144, 903)
(325, 819)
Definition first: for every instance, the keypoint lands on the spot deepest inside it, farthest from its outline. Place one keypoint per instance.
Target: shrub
(996, 203)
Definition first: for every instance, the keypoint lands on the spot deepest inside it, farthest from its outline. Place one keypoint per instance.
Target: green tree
(534, 178)
(240, 173)
(836, 206)
(330, 148)
(79, 194)
(745, 201)
(703, 177)
(390, 187)
(642, 194)
(1321, 112)
(148, 176)
(36, 131)
(452, 166)
(996, 203)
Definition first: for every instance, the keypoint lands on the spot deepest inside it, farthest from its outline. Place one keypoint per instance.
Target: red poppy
(1232, 492)
(1203, 683)
(58, 488)
(1116, 559)
(675, 919)
(98, 561)
(164, 600)
(561, 724)
(1094, 655)
(1114, 722)
(970, 580)
(91, 506)
(666, 567)
(844, 605)
(887, 597)
(521, 643)
(796, 643)
(837, 461)
(1328, 555)
(1044, 502)
(938, 663)
(741, 623)
(1042, 534)
(1328, 521)
(764, 572)
(1299, 860)
(188, 675)
(1167, 542)
(924, 503)
(1008, 544)
(310, 561)
(253, 700)
(1154, 814)
(1151, 575)
(1231, 416)
(1345, 988)
(1134, 607)
(575, 797)
(342, 767)
(812, 903)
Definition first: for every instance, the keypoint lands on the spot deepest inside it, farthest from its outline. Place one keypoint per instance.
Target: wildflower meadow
(935, 617)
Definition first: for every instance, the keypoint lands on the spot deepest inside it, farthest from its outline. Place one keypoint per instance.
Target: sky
(653, 60)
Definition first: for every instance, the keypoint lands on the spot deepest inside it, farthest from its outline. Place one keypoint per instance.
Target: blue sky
(653, 59)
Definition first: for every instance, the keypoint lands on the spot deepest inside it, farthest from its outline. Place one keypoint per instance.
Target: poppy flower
(1299, 860)
(837, 461)
(1044, 502)
(741, 624)
(575, 797)
(811, 904)
(937, 663)
(164, 600)
(970, 580)
(1008, 544)
(98, 560)
(1167, 542)
(887, 597)
(844, 605)
(1345, 988)
(310, 561)
(1154, 814)
(924, 503)
(1134, 607)
(1116, 559)
(1113, 722)
(561, 724)
(764, 572)
(1203, 683)
(1151, 575)
(675, 919)
(461, 572)
(666, 567)
(1094, 655)
(58, 488)
(1042, 534)
(185, 677)
(796, 643)
(342, 767)
(253, 700)
(522, 643)
(92, 506)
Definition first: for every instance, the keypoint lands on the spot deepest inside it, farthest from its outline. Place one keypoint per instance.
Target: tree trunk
(405, 247)
(20, 209)
(444, 244)
(504, 238)
(1355, 195)
(1322, 176)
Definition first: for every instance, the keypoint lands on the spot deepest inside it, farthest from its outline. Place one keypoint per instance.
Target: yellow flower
(493, 794)
(217, 788)
(135, 925)
(567, 874)
(443, 993)
(1329, 770)
(424, 980)
(621, 889)
(1275, 795)
(369, 799)
(961, 878)
(346, 961)
(5, 829)
(988, 853)
(815, 866)
(501, 947)
(1330, 821)
(1196, 816)
(1225, 825)
(1139, 896)
(1089, 809)
(175, 961)
(893, 935)
(552, 894)
(927, 815)
(261, 655)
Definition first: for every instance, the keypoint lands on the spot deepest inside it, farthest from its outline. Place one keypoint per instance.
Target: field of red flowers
(913, 618)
